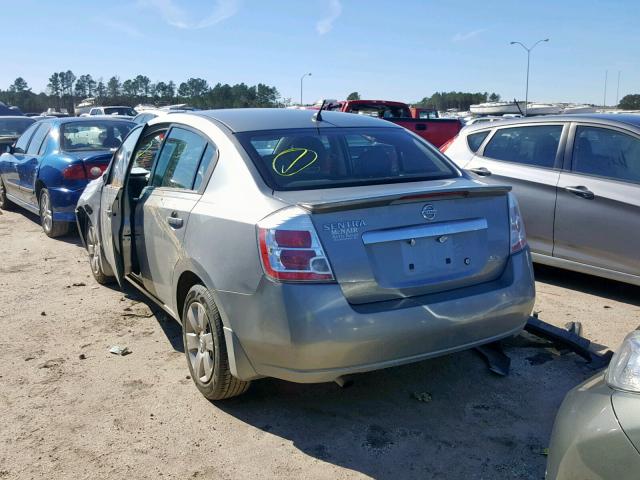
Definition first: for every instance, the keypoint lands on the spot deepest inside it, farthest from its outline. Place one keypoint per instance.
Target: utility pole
(528, 49)
(618, 91)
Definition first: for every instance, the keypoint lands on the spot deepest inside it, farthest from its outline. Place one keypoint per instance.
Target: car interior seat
(311, 143)
(583, 157)
(545, 150)
(373, 162)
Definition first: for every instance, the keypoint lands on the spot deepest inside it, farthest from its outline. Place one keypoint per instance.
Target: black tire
(219, 384)
(49, 226)
(96, 259)
(5, 203)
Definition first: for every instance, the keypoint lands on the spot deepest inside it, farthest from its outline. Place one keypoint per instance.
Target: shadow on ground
(601, 287)
(171, 329)
(443, 418)
(71, 236)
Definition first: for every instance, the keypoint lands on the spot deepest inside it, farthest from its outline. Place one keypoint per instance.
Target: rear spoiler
(405, 197)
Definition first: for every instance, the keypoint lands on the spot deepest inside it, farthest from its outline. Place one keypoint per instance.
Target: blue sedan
(53, 160)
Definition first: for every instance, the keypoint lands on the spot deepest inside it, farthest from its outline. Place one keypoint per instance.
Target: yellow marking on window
(287, 170)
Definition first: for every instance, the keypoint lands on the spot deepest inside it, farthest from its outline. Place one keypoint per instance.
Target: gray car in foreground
(577, 179)
(306, 248)
(596, 435)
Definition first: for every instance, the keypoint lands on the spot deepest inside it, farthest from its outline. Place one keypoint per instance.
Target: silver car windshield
(337, 157)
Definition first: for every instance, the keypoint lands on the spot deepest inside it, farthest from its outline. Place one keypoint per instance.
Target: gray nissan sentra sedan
(306, 248)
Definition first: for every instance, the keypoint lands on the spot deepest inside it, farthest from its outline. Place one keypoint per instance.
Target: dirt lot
(70, 409)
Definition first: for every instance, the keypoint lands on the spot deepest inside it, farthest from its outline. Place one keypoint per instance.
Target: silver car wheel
(45, 212)
(199, 342)
(93, 247)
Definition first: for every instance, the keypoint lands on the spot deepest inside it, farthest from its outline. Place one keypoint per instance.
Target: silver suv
(306, 246)
(577, 178)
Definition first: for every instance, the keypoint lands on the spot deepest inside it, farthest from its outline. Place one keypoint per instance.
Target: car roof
(256, 119)
(64, 120)
(111, 106)
(15, 117)
(603, 118)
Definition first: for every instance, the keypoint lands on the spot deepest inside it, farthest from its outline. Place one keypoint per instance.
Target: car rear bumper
(587, 439)
(310, 333)
(64, 203)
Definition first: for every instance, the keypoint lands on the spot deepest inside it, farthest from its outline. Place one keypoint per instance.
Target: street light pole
(301, 79)
(528, 49)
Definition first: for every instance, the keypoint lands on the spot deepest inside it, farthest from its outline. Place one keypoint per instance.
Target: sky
(393, 50)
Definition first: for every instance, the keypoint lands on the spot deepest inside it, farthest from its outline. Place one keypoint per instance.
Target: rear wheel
(5, 203)
(95, 256)
(51, 228)
(205, 348)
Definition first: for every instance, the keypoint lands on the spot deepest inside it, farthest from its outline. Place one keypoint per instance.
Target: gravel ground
(70, 409)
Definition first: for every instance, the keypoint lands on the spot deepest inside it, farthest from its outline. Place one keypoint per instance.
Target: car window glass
(38, 138)
(148, 149)
(475, 140)
(179, 159)
(93, 135)
(606, 153)
(121, 158)
(533, 145)
(298, 159)
(207, 158)
(23, 141)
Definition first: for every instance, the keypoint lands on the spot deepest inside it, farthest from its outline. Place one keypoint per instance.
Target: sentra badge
(347, 230)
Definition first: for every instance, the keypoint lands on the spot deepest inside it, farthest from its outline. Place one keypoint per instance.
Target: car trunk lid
(403, 241)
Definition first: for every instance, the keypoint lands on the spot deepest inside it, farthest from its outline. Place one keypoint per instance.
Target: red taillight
(290, 249)
(447, 144)
(74, 172)
(296, 259)
(293, 238)
(94, 170)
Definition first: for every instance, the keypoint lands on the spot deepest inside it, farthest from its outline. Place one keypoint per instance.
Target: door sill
(136, 281)
(23, 204)
(584, 268)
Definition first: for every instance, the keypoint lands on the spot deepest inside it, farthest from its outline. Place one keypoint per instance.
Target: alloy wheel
(45, 212)
(199, 341)
(93, 247)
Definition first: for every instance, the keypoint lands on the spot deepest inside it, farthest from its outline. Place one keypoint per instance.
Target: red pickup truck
(435, 130)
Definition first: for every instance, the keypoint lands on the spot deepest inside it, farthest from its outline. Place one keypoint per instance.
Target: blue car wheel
(51, 228)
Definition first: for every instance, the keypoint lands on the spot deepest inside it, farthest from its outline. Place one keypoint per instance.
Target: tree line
(460, 100)
(65, 90)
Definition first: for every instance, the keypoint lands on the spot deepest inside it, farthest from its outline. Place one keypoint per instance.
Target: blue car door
(10, 163)
(28, 166)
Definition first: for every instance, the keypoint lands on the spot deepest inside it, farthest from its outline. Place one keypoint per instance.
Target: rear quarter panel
(220, 244)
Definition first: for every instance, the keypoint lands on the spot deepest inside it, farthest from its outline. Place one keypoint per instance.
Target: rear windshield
(120, 111)
(380, 110)
(94, 135)
(13, 127)
(338, 157)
